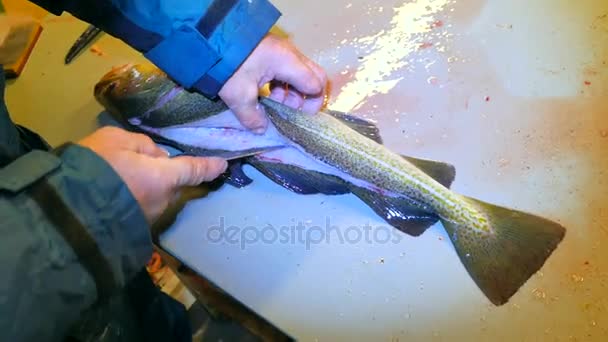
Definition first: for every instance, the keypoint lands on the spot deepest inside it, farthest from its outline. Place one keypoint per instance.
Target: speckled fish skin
(501, 248)
(330, 141)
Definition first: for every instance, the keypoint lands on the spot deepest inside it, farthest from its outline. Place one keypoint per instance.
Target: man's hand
(153, 178)
(277, 61)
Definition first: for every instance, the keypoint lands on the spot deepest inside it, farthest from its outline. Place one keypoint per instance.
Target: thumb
(143, 144)
(192, 171)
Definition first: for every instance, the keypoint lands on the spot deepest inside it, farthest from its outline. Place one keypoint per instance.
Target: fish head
(130, 90)
(144, 95)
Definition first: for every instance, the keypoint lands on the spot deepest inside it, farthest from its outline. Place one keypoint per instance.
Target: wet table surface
(511, 93)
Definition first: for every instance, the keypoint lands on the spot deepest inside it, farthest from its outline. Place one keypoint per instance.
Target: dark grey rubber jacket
(72, 233)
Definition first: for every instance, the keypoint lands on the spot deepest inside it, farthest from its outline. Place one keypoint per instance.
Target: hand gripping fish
(335, 153)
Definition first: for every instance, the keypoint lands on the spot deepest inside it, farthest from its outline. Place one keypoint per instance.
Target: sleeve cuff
(204, 58)
(26, 170)
(184, 55)
(199, 56)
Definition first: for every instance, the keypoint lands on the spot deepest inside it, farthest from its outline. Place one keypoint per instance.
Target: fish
(337, 153)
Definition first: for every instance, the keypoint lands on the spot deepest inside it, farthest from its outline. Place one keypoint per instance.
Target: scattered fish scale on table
(336, 153)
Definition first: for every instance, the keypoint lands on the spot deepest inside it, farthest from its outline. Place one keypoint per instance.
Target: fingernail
(291, 101)
(259, 127)
(218, 160)
(259, 130)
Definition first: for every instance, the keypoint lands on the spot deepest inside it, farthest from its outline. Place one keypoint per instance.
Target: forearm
(200, 44)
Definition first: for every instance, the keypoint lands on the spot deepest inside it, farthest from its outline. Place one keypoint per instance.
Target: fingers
(313, 105)
(241, 95)
(289, 65)
(294, 99)
(278, 91)
(107, 138)
(307, 80)
(320, 72)
(192, 171)
(275, 60)
(151, 176)
(145, 145)
(290, 69)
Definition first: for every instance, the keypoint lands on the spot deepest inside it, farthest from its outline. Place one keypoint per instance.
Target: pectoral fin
(400, 212)
(299, 180)
(235, 175)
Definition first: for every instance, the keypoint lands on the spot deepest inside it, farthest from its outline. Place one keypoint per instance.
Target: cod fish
(336, 153)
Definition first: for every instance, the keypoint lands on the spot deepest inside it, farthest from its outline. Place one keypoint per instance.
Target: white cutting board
(512, 93)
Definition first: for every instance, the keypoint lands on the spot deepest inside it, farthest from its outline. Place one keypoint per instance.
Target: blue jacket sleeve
(199, 43)
(72, 235)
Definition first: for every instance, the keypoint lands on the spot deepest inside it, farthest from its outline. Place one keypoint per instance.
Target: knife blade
(232, 155)
(85, 38)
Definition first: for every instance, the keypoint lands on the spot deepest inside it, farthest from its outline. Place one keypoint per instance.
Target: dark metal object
(85, 38)
(234, 156)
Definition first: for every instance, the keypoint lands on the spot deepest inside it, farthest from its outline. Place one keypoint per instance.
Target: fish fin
(502, 260)
(235, 175)
(364, 127)
(443, 173)
(400, 212)
(299, 180)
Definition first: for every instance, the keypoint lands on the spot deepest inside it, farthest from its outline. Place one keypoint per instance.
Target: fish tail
(501, 260)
